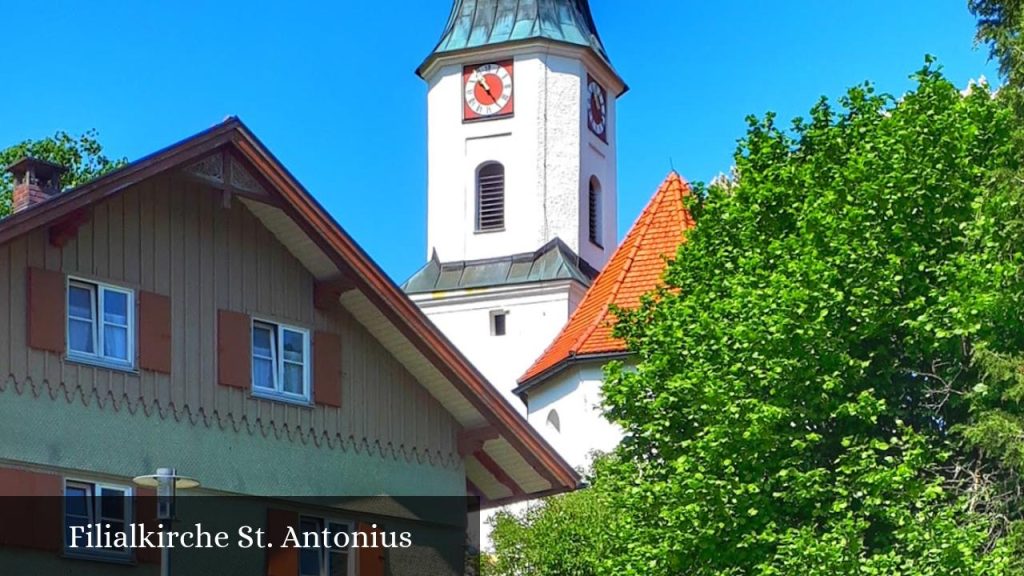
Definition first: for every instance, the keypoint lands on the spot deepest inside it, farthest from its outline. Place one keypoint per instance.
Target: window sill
(101, 557)
(100, 363)
(598, 244)
(300, 402)
(489, 231)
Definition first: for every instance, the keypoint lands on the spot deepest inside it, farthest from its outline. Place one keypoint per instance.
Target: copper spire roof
(634, 269)
(476, 23)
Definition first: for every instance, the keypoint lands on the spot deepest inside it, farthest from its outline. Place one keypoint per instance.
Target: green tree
(802, 376)
(567, 535)
(82, 155)
(999, 26)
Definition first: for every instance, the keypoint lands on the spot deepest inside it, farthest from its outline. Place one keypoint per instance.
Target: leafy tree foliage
(999, 26)
(82, 155)
(802, 374)
(566, 535)
(830, 381)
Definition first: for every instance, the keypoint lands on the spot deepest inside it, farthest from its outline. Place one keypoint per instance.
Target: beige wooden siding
(174, 237)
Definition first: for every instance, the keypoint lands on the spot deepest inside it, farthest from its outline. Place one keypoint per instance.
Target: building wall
(32, 538)
(535, 315)
(174, 237)
(575, 395)
(548, 154)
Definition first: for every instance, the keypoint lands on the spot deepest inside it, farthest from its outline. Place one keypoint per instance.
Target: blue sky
(330, 88)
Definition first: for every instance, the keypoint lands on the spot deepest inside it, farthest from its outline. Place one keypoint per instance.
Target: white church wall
(574, 396)
(535, 314)
(546, 150)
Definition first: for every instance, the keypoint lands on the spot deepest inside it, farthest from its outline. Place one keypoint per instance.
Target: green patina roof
(553, 261)
(476, 23)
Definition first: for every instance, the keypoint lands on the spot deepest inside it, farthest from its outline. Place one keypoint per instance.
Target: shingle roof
(553, 261)
(633, 270)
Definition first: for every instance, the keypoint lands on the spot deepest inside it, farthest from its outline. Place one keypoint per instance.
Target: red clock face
(597, 109)
(487, 91)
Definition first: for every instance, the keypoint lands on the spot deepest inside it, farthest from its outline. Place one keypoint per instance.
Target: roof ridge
(591, 315)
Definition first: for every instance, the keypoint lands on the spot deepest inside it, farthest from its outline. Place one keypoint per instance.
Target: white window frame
(278, 361)
(94, 495)
(482, 227)
(494, 322)
(97, 290)
(325, 555)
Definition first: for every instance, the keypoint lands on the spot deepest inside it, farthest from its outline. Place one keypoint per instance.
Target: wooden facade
(174, 237)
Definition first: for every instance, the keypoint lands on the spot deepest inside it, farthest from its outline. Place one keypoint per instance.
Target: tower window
(554, 421)
(498, 318)
(490, 197)
(594, 211)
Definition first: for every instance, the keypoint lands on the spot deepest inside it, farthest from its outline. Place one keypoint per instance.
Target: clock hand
(487, 87)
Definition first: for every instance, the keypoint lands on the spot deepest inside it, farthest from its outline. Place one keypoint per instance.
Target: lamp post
(167, 483)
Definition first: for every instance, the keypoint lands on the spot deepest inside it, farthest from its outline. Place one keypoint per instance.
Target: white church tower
(522, 177)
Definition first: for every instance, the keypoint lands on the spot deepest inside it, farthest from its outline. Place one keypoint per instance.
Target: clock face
(597, 109)
(487, 90)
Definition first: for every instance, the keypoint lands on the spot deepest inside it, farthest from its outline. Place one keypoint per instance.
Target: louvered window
(490, 197)
(594, 210)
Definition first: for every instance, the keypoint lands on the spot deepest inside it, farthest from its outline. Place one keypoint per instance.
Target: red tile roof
(633, 270)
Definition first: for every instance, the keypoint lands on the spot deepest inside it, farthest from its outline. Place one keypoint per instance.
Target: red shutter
(281, 561)
(154, 323)
(145, 514)
(46, 300)
(371, 560)
(234, 358)
(32, 515)
(327, 369)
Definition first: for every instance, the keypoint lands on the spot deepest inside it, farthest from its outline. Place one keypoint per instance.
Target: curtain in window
(294, 357)
(263, 349)
(115, 325)
(80, 320)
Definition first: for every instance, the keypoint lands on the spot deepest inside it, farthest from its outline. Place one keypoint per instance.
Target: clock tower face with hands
(487, 90)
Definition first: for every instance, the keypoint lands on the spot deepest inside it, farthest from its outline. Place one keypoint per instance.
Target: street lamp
(167, 483)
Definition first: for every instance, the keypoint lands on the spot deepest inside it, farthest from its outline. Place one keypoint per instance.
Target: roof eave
(538, 380)
(425, 335)
(504, 49)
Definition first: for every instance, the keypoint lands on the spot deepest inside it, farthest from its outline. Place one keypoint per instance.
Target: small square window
(105, 505)
(498, 322)
(280, 362)
(101, 324)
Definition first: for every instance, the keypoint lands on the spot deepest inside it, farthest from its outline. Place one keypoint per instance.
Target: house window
(594, 210)
(101, 323)
(490, 197)
(280, 361)
(333, 555)
(498, 320)
(86, 503)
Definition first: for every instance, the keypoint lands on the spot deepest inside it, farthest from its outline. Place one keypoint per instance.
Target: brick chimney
(34, 181)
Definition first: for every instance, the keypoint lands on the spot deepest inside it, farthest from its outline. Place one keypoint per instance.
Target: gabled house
(199, 309)
(562, 388)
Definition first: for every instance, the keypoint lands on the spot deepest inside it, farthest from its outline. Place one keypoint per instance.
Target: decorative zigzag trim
(228, 421)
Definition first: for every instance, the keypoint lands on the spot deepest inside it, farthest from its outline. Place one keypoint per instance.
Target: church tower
(521, 176)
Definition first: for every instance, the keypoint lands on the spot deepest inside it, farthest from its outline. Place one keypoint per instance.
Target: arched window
(490, 197)
(553, 421)
(594, 210)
